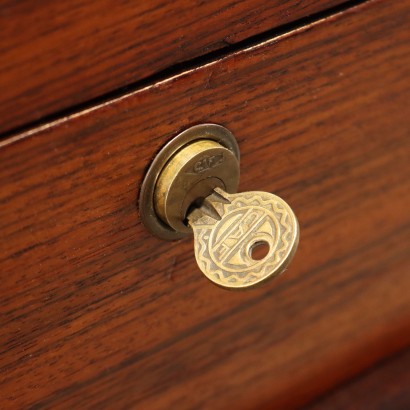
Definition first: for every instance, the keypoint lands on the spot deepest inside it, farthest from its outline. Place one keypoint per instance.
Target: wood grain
(98, 314)
(386, 386)
(56, 54)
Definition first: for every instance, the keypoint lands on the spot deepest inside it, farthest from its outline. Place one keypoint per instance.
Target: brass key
(227, 227)
(185, 191)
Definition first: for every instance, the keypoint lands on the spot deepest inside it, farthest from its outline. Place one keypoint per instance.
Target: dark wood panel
(386, 386)
(95, 312)
(55, 54)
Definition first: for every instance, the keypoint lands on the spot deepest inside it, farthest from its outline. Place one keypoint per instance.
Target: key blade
(209, 207)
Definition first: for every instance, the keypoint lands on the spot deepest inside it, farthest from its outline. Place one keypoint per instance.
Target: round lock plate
(187, 168)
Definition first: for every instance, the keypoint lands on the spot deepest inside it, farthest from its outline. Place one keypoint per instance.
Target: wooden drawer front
(97, 312)
(61, 53)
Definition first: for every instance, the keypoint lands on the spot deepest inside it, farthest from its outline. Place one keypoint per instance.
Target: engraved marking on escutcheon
(206, 163)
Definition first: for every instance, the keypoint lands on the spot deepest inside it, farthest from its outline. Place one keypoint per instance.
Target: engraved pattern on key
(227, 226)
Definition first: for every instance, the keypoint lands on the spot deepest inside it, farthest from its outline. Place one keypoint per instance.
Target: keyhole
(195, 204)
(259, 250)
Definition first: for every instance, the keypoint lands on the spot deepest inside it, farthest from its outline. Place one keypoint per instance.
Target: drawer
(385, 385)
(96, 312)
(64, 53)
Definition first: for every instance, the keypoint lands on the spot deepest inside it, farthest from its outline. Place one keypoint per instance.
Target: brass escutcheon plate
(146, 203)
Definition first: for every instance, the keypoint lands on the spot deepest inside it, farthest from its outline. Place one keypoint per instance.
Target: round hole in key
(259, 250)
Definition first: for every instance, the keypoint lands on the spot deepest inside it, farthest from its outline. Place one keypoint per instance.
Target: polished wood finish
(96, 312)
(385, 386)
(56, 54)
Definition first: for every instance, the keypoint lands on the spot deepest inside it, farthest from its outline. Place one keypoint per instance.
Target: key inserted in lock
(191, 186)
(191, 175)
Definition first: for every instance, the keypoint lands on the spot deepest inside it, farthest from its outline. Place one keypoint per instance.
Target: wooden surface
(55, 54)
(384, 387)
(95, 312)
